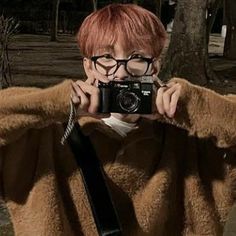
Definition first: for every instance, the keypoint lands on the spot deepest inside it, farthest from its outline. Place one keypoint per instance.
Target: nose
(121, 73)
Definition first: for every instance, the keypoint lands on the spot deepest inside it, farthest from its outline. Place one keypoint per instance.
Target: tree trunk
(158, 8)
(214, 9)
(187, 55)
(54, 24)
(95, 2)
(230, 40)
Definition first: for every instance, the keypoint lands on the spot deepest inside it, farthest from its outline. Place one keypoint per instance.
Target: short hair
(134, 26)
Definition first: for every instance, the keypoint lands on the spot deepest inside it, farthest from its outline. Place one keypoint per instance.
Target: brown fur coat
(172, 177)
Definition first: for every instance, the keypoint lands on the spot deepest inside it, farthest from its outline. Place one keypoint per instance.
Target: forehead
(105, 47)
(120, 47)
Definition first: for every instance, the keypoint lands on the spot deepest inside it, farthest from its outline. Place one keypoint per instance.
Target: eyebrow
(111, 48)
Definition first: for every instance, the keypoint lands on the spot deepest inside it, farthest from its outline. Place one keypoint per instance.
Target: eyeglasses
(136, 65)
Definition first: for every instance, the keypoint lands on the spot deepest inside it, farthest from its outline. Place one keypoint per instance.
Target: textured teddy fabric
(168, 177)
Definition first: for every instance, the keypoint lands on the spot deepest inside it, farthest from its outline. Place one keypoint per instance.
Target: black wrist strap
(94, 181)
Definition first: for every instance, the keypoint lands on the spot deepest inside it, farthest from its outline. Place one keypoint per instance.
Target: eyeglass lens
(134, 66)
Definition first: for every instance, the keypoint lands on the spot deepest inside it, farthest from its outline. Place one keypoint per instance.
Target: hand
(165, 100)
(85, 95)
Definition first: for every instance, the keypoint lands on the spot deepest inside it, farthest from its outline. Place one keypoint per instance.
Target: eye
(108, 56)
(138, 56)
(107, 60)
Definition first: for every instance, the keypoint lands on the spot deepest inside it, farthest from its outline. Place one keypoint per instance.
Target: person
(169, 173)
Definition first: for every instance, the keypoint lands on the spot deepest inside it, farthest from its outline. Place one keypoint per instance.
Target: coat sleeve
(25, 108)
(206, 114)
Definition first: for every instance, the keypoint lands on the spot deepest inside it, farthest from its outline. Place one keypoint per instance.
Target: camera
(133, 95)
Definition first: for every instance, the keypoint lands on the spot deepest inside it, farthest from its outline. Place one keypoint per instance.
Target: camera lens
(128, 101)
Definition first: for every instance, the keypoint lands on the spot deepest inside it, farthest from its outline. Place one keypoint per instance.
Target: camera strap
(93, 176)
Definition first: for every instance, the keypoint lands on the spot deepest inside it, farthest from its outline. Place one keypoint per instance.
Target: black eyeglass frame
(120, 62)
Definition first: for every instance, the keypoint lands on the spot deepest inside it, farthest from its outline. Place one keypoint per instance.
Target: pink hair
(134, 26)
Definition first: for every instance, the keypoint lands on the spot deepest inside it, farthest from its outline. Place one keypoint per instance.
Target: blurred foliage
(8, 27)
(6, 230)
(35, 16)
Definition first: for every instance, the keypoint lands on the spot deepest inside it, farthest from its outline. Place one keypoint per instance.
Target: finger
(84, 101)
(158, 85)
(167, 97)
(159, 100)
(87, 88)
(96, 83)
(157, 82)
(166, 101)
(94, 101)
(93, 93)
(174, 101)
(74, 98)
(90, 80)
(171, 84)
(100, 77)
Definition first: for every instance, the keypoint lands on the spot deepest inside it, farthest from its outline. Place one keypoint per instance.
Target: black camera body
(131, 96)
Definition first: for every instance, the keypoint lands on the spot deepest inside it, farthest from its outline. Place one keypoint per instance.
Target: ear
(88, 67)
